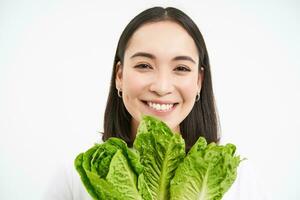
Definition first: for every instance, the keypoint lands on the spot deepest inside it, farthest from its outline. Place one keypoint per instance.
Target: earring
(119, 93)
(198, 96)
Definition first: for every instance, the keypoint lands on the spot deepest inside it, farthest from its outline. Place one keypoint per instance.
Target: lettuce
(206, 173)
(157, 167)
(161, 151)
(110, 170)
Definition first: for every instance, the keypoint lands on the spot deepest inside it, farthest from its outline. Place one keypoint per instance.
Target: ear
(119, 75)
(200, 78)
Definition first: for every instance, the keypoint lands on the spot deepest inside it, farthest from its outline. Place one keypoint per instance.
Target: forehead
(164, 39)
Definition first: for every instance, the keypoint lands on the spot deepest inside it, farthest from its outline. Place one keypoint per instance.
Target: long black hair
(203, 118)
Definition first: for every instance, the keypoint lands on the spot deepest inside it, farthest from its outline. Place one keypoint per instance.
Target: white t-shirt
(66, 185)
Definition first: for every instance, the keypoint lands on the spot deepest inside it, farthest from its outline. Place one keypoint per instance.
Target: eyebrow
(151, 56)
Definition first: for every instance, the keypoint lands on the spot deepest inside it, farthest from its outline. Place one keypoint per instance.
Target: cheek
(189, 89)
(133, 84)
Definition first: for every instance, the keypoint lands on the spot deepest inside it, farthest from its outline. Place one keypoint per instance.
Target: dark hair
(201, 121)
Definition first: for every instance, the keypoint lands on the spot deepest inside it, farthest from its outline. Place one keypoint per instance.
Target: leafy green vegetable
(206, 173)
(110, 170)
(161, 151)
(157, 167)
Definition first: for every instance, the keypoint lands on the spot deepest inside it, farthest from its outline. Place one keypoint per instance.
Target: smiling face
(159, 75)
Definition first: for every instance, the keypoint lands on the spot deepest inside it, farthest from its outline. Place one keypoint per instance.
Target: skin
(161, 78)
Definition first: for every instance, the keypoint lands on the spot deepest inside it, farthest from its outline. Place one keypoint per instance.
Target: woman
(161, 59)
(161, 68)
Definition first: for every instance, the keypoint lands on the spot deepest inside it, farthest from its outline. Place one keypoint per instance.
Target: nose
(162, 83)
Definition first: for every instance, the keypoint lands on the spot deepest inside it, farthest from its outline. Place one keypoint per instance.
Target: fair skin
(164, 79)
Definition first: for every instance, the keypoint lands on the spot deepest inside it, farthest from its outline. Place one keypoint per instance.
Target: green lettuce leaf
(156, 168)
(122, 177)
(206, 173)
(160, 151)
(110, 170)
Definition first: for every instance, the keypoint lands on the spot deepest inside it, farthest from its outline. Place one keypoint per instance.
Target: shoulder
(247, 185)
(65, 183)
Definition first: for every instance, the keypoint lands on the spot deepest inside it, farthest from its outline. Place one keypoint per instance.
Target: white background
(55, 67)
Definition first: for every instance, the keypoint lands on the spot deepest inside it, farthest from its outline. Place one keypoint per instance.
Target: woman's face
(159, 76)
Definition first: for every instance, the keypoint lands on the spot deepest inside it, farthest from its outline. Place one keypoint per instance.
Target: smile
(160, 107)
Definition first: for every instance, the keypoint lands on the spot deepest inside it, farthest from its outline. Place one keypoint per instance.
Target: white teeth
(160, 107)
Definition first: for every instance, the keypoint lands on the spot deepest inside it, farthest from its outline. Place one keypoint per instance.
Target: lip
(158, 112)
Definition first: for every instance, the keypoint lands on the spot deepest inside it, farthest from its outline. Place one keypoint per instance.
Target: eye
(142, 66)
(182, 68)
